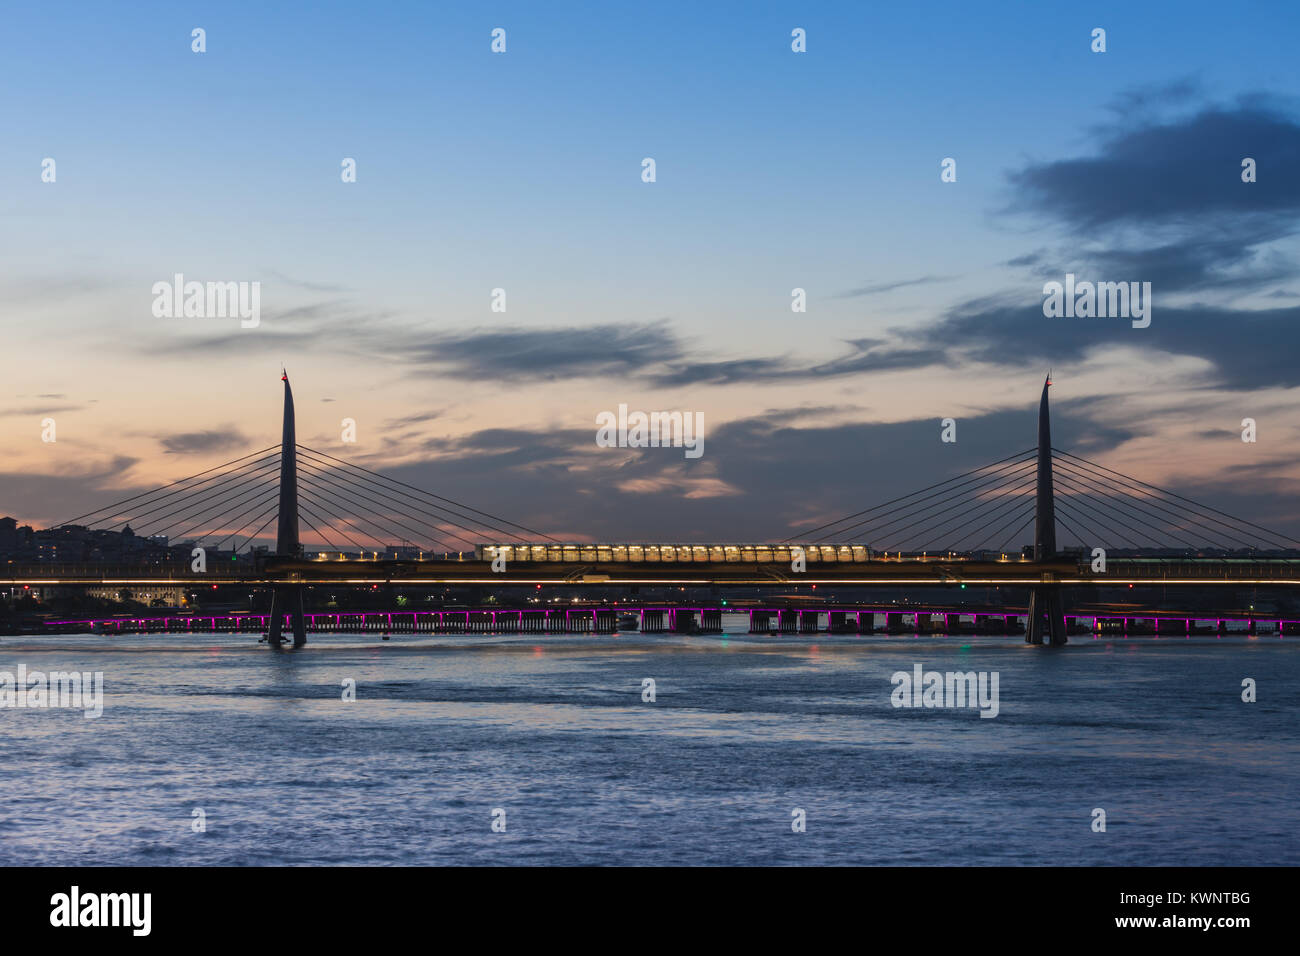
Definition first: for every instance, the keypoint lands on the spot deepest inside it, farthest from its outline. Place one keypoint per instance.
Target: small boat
(628, 622)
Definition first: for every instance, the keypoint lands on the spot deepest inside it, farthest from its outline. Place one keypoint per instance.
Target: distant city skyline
(775, 170)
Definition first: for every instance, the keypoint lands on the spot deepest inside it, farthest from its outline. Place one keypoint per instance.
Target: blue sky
(475, 171)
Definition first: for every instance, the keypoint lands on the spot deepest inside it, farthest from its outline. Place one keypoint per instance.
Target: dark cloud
(872, 355)
(1028, 259)
(547, 354)
(807, 413)
(1194, 263)
(866, 355)
(721, 373)
(221, 439)
(1160, 201)
(653, 353)
(1149, 172)
(1146, 100)
(512, 448)
(1246, 348)
(559, 482)
(46, 499)
(782, 472)
(409, 420)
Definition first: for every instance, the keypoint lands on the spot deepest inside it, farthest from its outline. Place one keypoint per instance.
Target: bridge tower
(287, 598)
(1046, 616)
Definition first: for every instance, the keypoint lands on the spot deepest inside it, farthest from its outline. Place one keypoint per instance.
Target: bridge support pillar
(286, 599)
(682, 620)
(1046, 618)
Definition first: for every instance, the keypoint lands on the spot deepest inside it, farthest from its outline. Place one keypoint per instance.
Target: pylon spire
(1045, 600)
(286, 599)
(1045, 511)
(286, 539)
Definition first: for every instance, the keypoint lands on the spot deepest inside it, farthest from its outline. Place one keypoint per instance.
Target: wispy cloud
(304, 284)
(880, 287)
(40, 410)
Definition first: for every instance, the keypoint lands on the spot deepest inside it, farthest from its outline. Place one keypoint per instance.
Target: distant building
(75, 544)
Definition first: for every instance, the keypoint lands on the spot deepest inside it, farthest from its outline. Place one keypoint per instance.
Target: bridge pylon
(286, 599)
(1046, 614)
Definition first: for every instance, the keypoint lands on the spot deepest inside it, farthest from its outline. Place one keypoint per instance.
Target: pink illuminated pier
(700, 619)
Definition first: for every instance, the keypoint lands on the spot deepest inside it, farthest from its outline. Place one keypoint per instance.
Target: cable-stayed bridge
(339, 523)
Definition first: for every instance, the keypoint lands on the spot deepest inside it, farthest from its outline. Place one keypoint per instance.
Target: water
(744, 730)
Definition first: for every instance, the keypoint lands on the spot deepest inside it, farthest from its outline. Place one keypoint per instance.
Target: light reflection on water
(744, 729)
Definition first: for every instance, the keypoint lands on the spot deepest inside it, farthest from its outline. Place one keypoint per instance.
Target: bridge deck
(891, 572)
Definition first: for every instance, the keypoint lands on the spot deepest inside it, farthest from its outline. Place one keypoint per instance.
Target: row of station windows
(718, 553)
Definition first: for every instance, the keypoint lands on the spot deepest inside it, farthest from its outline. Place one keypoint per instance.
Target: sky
(775, 170)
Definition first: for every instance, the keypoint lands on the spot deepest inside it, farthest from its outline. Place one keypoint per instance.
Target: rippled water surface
(745, 729)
